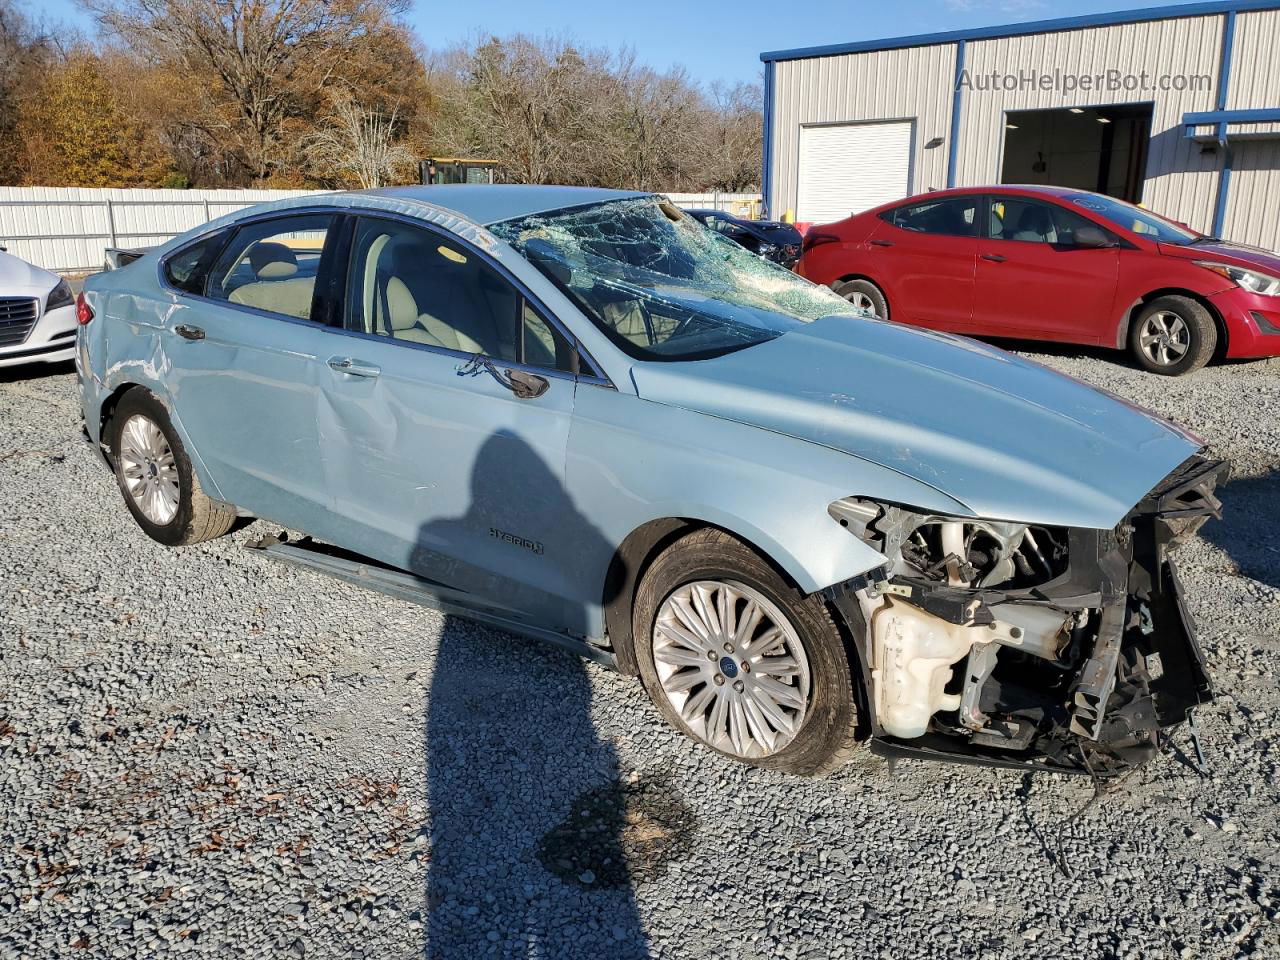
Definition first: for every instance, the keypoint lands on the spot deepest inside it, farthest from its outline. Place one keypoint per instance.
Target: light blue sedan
(582, 416)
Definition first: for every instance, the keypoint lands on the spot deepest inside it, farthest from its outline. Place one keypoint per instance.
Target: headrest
(272, 261)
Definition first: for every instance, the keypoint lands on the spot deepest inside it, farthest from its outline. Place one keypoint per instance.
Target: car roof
(1010, 189)
(485, 203)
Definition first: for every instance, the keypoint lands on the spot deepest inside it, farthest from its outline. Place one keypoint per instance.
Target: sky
(715, 40)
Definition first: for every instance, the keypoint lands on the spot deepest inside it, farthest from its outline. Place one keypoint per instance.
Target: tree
(361, 144)
(260, 65)
(76, 133)
(25, 50)
(549, 111)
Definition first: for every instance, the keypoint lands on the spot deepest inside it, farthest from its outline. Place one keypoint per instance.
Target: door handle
(353, 367)
(882, 243)
(188, 332)
(993, 257)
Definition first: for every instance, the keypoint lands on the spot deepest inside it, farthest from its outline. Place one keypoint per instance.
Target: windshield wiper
(1206, 239)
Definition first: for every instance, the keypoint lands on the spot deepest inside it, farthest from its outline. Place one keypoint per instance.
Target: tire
(1173, 335)
(824, 739)
(864, 293)
(155, 476)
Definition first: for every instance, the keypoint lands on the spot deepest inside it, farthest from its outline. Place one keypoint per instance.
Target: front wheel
(1173, 335)
(155, 476)
(738, 659)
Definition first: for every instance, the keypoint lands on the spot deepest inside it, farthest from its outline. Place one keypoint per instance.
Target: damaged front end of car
(1013, 644)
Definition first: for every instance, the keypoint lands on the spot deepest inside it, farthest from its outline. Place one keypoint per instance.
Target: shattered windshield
(661, 285)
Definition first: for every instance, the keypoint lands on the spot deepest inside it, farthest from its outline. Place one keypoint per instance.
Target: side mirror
(1091, 238)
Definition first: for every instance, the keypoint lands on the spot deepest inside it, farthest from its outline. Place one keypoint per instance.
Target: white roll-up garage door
(846, 168)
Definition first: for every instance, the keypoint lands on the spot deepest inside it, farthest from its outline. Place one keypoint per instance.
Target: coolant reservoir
(913, 655)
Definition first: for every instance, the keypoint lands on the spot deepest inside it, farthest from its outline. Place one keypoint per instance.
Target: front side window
(188, 269)
(949, 217)
(1144, 222)
(661, 285)
(416, 286)
(1030, 221)
(271, 265)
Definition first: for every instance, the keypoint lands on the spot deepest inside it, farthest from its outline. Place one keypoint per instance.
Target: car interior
(275, 276)
(412, 285)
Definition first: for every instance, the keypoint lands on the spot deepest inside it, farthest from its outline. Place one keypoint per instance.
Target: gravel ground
(204, 752)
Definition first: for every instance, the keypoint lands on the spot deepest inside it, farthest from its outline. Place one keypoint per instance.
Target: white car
(37, 314)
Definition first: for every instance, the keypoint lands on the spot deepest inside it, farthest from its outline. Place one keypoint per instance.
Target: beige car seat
(446, 291)
(275, 288)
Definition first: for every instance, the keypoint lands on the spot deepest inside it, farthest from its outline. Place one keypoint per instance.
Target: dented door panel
(452, 477)
(247, 394)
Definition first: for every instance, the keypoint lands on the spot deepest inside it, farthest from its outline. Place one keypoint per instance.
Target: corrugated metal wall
(1182, 175)
(886, 85)
(1181, 178)
(1253, 210)
(67, 228)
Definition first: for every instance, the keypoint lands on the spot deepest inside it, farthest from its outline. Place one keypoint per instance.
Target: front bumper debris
(1084, 673)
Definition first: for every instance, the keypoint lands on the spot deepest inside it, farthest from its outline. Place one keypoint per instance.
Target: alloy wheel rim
(862, 301)
(1165, 338)
(149, 469)
(732, 667)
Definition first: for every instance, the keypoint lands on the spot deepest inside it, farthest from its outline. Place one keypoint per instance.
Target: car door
(1034, 280)
(242, 347)
(447, 409)
(923, 256)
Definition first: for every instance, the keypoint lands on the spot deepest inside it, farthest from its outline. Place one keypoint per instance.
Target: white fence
(66, 229)
(745, 205)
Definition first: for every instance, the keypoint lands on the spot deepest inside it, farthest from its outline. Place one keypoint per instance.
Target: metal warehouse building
(1177, 108)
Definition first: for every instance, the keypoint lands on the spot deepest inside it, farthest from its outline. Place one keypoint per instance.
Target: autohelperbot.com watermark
(1066, 81)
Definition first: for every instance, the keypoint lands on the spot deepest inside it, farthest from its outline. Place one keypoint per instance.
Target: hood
(1223, 251)
(1010, 439)
(21, 279)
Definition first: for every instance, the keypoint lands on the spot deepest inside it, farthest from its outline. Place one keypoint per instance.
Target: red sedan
(1050, 263)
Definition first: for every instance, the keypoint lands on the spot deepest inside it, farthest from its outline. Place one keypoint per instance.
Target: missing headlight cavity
(978, 553)
(1013, 643)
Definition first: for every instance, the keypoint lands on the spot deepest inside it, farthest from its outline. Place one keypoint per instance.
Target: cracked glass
(663, 286)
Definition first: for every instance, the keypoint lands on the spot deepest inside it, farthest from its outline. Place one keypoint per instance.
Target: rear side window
(272, 265)
(950, 217)
(188, 269)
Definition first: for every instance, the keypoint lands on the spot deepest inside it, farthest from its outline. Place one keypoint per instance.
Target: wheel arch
(632, 560)
(108, 410)
(1130, 314)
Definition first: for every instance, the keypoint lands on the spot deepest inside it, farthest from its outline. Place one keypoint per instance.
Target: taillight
(84, 313)
(812, 240)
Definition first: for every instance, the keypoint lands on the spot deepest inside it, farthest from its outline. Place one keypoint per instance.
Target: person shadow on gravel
(527, 812)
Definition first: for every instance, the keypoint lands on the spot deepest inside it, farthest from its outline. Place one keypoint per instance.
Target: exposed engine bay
(1015, 644)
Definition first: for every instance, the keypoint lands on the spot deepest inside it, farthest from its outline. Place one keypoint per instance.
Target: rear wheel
(155, 476)
(1173, 335)
(738, 659)
(864, 294)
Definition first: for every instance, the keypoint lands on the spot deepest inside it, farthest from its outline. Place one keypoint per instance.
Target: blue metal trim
(1023, 29)
(1215, 118)
(766, 161)
(953, 146)
(1207, 117)
(1224, 80)
(1224, 188)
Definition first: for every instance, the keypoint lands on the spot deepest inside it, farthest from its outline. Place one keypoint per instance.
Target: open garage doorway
(1090, 148)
